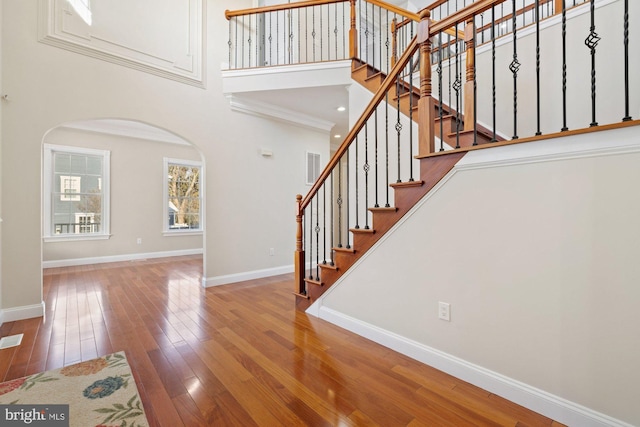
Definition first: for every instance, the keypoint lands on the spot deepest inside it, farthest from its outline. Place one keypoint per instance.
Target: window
(76, 204)
(313, 167)
(182, 196)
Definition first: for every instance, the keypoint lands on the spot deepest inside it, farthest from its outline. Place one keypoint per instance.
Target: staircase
(349, 208)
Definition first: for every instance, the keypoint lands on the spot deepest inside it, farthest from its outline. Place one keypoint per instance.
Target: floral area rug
(100, 392)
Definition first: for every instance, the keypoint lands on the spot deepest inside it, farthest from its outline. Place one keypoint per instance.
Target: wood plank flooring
(237, 355)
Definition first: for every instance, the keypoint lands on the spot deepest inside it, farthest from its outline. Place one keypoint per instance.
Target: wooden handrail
(286, 6)
(462, 15)
(368, 112)
(395, 9)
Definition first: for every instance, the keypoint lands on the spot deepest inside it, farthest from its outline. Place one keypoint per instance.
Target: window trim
(48, 177)
(166, 231)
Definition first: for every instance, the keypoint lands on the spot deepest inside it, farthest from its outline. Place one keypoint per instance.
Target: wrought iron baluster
(231, 66)
(398, 123)
(537, 18)
(357, 188)
(410, 89)
(457, 84)
(366, 32)
(475, 87)
(324, 222)
(313, 33)
(317, 231)
(321, 44)
(564, 67)
(366, 169)
(339, 202)
(242, 48)
(311, 239)
(386, 149)
(591, 42)
(335, 29)
(493, 71)
(439, 71)
(627, 116)
(236, 49)
(331, 218)
(306, 34)
(249, 41)
(376, 205)
(348, 203)
(299, 52)
(514, 67)
(270, 38)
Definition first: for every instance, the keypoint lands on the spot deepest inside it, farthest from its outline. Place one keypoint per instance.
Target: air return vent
(10, 341)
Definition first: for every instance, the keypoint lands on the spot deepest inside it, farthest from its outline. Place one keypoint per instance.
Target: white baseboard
(547, 404)
(21, 313)
(119, 258)
(249, 275)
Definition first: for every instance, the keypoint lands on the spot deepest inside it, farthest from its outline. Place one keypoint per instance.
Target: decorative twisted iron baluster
(366, 167)
(514, 67)
(398, 124)
(357, 188)
(457, 84)
(230, 44)
(348, 203)
(627, 117)
(331, 218)
(564, 67)
(249, 41)
(270, 38)
(313, 33)
(366, 31)
(386, 43)
(440, 105)
(591, 42)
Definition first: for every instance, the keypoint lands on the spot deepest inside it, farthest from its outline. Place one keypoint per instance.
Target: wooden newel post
(426, 104)
(353, 34)
(298, 257)
(468, 92)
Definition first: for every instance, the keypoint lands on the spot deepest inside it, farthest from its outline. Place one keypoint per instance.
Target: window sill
(175, 233)
(75, 238)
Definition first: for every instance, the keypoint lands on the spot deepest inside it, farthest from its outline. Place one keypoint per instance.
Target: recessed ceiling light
(341, 108)
(337, 136)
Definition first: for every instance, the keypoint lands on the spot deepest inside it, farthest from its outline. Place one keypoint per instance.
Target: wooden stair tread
(328, 266)
(345, 250)
(384, 209)
(305, 296)
(362, 230)
(314, 282)
(406, 184)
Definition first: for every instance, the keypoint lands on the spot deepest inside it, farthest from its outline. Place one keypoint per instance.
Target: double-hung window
(76, 193)
(182, 196)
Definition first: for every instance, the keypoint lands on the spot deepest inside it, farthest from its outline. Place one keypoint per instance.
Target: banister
(395, 9)
(285, 6)
(462, 15)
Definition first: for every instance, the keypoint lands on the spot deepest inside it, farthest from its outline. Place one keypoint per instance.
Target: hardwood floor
(237, 355)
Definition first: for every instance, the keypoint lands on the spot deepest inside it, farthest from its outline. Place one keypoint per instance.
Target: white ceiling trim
(270, 111)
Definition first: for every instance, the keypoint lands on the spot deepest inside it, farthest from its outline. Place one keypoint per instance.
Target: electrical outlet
(139, 240)
(444, 311)
(272, 251)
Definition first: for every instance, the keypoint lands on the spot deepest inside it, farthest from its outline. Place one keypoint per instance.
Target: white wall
(536, 251)
(250, 199)
(136, 198)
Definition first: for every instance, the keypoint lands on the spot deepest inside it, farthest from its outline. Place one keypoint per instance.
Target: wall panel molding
(183, 60)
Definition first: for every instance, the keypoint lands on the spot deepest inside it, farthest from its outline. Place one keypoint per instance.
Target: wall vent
(10, 341)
